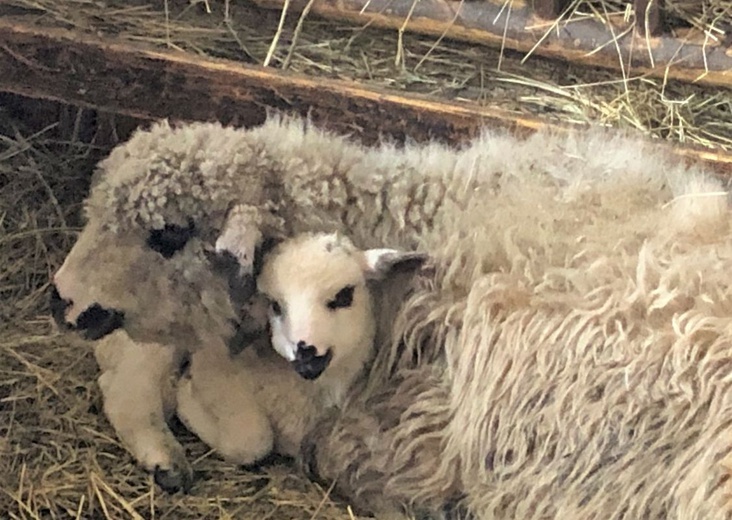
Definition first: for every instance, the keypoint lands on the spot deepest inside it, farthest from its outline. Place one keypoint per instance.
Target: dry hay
(59, 456)
(449, 70)
(710, 16)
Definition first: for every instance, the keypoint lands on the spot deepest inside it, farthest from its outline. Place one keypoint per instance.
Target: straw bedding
(59, 456)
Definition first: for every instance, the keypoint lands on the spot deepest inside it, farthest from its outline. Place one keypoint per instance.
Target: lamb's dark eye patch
(276, 308)
(170, 239)
(343, 299)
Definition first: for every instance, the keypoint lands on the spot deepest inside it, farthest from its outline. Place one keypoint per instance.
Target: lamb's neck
(337, 380)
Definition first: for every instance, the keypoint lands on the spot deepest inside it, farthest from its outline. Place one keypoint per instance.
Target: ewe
(570, 357)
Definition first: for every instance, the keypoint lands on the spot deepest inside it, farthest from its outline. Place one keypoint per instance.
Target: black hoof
(173, 480)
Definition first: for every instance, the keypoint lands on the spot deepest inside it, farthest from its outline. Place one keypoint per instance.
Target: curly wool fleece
(580, 309)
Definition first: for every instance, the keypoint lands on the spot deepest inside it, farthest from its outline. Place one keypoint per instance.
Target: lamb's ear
(240, 235)
(381, 263)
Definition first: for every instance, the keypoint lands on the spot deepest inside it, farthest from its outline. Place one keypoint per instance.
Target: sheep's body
(588, 349)
(384, 449)
(250, 405)
(235, 404)
(578, 322)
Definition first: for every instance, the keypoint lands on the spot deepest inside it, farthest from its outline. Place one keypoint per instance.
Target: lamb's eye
(170, 239)
(343, 299)
(276, 309)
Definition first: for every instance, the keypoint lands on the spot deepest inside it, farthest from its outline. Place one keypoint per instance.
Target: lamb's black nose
(308, 363)
(96, 322)
(58, 308)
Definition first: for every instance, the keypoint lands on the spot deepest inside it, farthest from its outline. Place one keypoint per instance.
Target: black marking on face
(343, 299)
(308, 363)
(276, 307)
(58, 308)
(96, 322)
(171, 239)
(241, 286)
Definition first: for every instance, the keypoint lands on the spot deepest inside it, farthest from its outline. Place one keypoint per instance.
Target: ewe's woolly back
(579, 319)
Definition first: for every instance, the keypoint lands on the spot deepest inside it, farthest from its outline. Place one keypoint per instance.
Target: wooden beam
(549, 9)
(648, 16)
(116, 76)
(584, 41)
(140, 81)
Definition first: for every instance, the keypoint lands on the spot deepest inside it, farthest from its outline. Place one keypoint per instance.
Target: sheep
(588, 362)
(249, 404)
(169, 197)
(139, 384)
(573, 336)
(322, 291)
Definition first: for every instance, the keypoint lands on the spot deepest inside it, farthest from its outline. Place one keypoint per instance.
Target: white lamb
(569, 356)
(321, 291)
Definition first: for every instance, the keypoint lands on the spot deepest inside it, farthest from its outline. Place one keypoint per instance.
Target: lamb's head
(168, 240)
(321, 303)
(168, 284)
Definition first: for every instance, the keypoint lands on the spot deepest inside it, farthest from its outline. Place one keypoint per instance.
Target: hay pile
(59, 456)
(235, 29)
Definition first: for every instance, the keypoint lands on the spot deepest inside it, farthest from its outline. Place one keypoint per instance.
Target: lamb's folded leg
(216, 401)
(137, 384)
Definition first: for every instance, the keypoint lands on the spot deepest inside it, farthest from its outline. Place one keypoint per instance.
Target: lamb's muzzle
(308, 363)
(96, 322)
(58, 308)
(93, 323)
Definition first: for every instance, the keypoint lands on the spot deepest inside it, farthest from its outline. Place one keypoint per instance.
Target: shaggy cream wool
(577, 324)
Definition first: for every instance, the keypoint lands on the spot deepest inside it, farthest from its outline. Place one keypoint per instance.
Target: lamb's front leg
(137, 383)
(216, 401)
